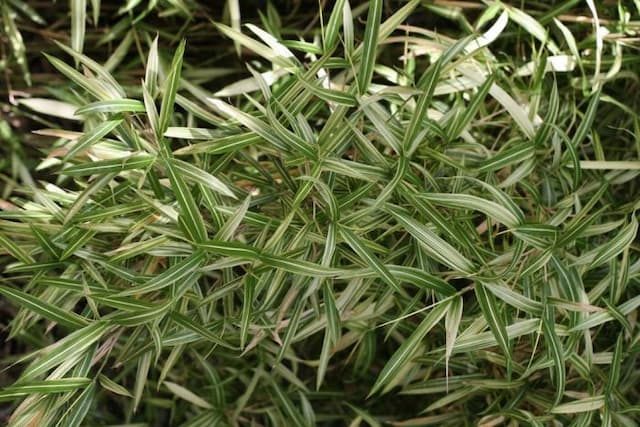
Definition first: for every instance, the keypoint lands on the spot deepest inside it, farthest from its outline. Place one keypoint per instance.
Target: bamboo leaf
(587, 404)
(169, 90)
(369, 258)
(408, 348)
(44, 308)
(190, 216)
(112, 107)
(369, 46)
(493, 315)
(67, 348)
(187, 395)
(92, 137)
(62, 385)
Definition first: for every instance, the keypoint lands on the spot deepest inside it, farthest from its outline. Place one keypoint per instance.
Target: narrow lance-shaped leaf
(45, 243)
(190, 216)
(112, 88)
(170, 90)
(65, 349)
(262, 50)
(434, 244)
(135, 162)
(407, 349)
(144, 363)
(199, 329)
(62, 385)
(172, 275)
(113, 107)
(288, 408)
(108, 384)
(140, 317)
(332, 29)
(14, 250)
(97, 91)
(457, 126)
(587, 404)
(152, 69)
(451, 325)
(78, 24)
(247, 308)
(556, 352)
(549, 121)
(509, 157)
(427, 86)
(199, 176)
(91, 137)
(617, 244)
(370, 46)
(586, 124)
(186, 394)
(44, 308)
(467, 201)
(494, 318)
(79, 409)
(363, 252)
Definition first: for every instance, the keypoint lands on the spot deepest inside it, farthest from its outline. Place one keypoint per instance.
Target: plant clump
(376, 224)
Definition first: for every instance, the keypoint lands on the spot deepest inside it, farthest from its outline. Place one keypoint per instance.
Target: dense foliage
(395, 213)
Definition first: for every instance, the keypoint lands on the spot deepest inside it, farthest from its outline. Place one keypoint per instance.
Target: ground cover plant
(376, 213)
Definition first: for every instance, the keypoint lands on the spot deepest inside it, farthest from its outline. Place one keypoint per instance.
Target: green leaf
(556, 352)
(201, 177)
(144, 363)
(451, 325)
(223, 145)
(169, 90)
(587, 404)
(262, 50)
(134, 162)
(79, 409)
(152, 69)
(438, 248)
(62, 385)
(187, 395)
(409, 346)
(44, 308)
(508, 157)
(248, 301)
(112, 107)
(108, 384)
(90, 138)
(617, 244)
(297, 266)
(427, 86)
(78, 23)
(288, 408)
(198, 329)
(369, 258)
(67, 348)
(586, 124)
(45, 243)
(493, 210)
(190, 216)
(494, 317)
(457, 126)
(231, 249)
(14, 250)
(174, 274)
(369, 46)
(332, 29)
(329, 95)
(140, 317)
